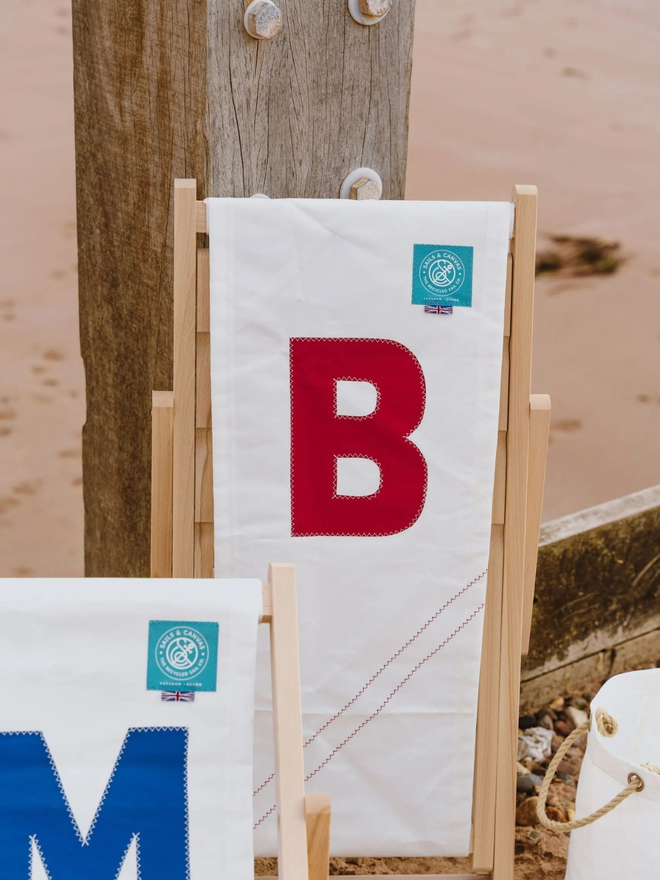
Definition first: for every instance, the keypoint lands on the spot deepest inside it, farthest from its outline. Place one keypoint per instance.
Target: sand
(564, 95)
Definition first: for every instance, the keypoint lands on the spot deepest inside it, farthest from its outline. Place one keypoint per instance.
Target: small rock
(526, 812)
(557, 705)
(534, 835)
(555, 814)
(527, 721)
(562, 728)
(576, 716)
(565, 778)
(579, 702)
(557, 742)
(571, 814)
(570, 767)
(525, 784)
(546, 721)
(521, 770)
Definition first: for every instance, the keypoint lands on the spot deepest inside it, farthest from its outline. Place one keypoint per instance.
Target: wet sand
(563, 95)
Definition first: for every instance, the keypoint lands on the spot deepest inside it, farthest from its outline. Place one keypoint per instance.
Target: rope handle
(607, 726)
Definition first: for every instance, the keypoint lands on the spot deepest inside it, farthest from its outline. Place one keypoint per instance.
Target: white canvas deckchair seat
(355, 432)
(127, 728)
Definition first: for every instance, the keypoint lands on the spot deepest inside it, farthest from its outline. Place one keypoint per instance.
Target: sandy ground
(41, 376)
(564, 95)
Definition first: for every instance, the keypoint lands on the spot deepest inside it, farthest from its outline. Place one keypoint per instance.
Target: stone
(576, 717)
(557, 705)
(527, 721)
(564, 777)
(526, 784)
(521, 770)
(526, 812)
(562, 728)
(555, 814)
(557, 742)
(546, 721)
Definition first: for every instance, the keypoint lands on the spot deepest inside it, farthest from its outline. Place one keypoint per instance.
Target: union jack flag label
(178, 696)
(438, 310)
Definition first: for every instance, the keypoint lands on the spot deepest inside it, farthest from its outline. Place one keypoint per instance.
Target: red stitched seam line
(377, 712)
(380, 671)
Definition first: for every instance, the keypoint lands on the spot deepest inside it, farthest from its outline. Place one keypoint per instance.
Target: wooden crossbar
(182, 443)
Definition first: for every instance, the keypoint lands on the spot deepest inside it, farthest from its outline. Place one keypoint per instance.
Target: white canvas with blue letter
(100, 777)
(356, 352)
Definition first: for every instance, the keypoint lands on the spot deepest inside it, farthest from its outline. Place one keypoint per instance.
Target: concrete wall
(597, 606)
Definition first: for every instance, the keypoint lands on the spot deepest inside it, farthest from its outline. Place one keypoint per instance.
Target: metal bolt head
(375, 8)
(365, 188)
(263, 20)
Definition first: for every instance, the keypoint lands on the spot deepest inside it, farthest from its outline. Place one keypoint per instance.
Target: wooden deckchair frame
(182, 510)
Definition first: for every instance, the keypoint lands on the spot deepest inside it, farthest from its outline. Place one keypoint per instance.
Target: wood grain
(178, 89)
(318, 815)
(293, 116)
(185, 330)
(486, 750)
(287, 725)
(140, 101)
(520, 362)
(539, 432)
(162, 428)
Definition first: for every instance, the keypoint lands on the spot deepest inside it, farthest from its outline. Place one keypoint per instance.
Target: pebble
(521, 770)
(527, 721)
(526, 812)
(557, 742)
(565, 778)
(525, 784)
(555, 814)
(546, 721)
(562, 728)
(557, 705)
(576, 716)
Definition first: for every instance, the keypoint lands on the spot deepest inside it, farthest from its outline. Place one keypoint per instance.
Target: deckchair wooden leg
(539, 431)
(161, 483)
(317, 818)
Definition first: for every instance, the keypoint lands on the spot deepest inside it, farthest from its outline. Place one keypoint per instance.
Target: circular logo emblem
(441, 273)
(182, 653)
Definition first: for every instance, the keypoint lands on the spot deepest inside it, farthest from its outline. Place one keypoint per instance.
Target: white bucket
(625, 842)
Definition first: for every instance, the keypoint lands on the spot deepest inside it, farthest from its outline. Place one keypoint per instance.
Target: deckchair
(92, 670)
(182, 503)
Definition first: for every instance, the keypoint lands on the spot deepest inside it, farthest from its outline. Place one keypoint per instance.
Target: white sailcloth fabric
(102, 777)
(354, 434)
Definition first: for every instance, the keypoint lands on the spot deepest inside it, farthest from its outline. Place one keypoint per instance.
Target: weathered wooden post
(181, 89)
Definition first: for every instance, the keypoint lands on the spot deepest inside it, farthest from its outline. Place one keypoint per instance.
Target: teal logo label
(442, 275)
(182, 653)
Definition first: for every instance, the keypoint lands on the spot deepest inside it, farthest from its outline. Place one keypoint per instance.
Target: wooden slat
(183, 490)
(520, 356)
(203, 407)
(161, 483)
(267, 602)
(317, 814)
(486, 752)
(539, 431)
(204, 552)
(203, 476)
(287, 725)
(504, 393)
(507, 299)
(203, 290)
(499, 488)
(200, 217)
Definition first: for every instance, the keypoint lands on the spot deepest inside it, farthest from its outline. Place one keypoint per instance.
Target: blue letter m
(145, 800)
